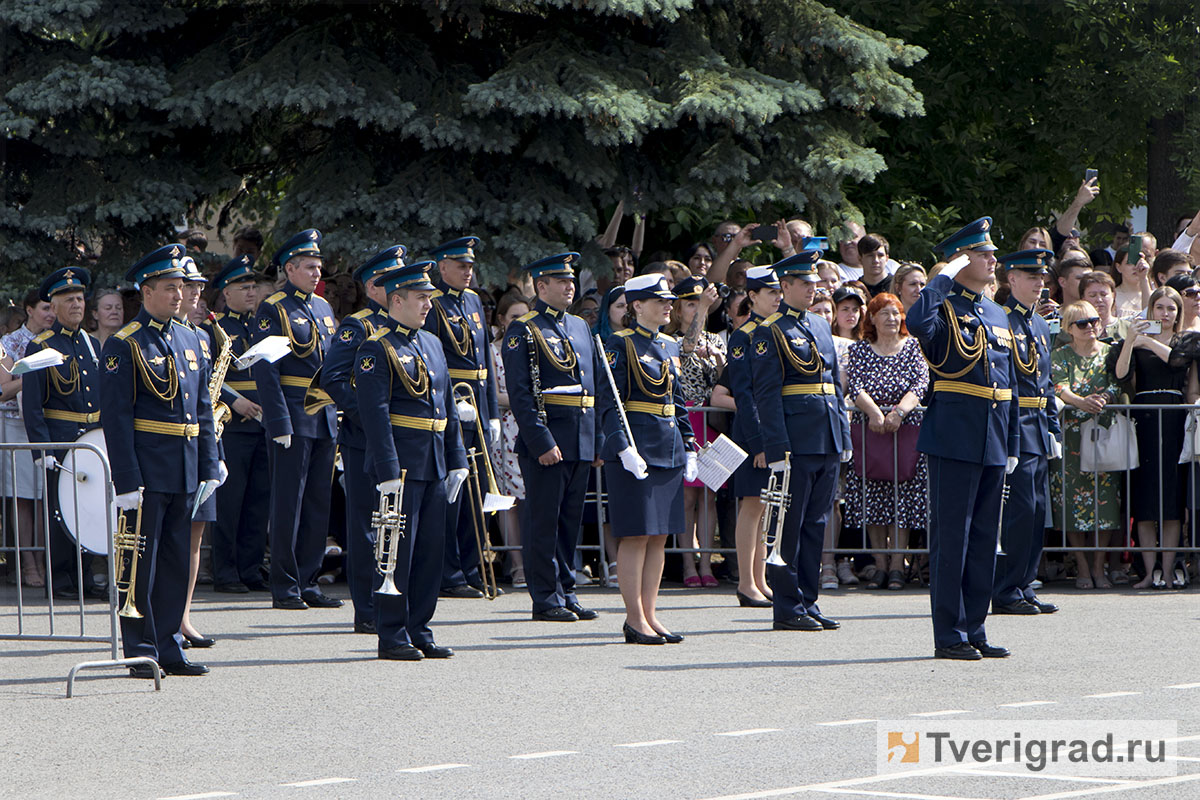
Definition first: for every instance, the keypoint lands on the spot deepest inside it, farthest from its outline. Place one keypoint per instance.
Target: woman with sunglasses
(1190, 292)
(1086, 505)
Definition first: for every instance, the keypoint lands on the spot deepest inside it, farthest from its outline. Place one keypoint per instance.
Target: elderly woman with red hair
(886, 482)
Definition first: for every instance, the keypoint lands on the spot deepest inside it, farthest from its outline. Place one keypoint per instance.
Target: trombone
(389, 526)
(128, 546)
(776, 497)
(482, 504)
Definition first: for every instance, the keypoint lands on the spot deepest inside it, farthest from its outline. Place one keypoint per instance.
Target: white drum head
(81, 494)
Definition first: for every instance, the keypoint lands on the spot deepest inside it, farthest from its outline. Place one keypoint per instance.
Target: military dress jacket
(747, 431)
(458, 319)
(61, 403)
(337, 373)
(1038, 404)
(239, 329)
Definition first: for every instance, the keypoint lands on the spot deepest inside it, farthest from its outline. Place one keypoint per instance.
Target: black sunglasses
(1193, 292)
(1086, 322)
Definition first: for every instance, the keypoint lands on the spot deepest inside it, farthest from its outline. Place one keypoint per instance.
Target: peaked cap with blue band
(383, 261)
(67, 279)
(235, 271)
(304, 243)
(653, 286)
(558, 266)
(974, 236)
(691, 288)
(461, 249)
(802, 265)
(761, 278)
(409, 276)
(191, 272)
(1036, 260)
(165, 262)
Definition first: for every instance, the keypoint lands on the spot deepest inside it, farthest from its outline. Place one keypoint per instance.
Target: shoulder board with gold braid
(666, 337)
(469, 290)
(366, 312)
(43, 336)
(220, 315)
(771, 320)
(128, 330)
(748, 327)
(527, 317)
(377, 335)
(436, 293)
(625, 332)
(275, 298)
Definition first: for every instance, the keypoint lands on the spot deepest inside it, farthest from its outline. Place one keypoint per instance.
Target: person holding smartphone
(1131, 273)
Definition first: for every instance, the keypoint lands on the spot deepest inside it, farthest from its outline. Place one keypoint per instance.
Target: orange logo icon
(903, 748)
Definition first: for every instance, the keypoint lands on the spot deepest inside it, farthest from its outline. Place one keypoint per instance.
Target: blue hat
(1036, 260)
(409, 276)
(652, 286)
(462, 249)
(304, 243)
(381, 262)
(558, 266)
(690, 288)
(975, 236)
(802, 265)
(761, 278)
(191, 272)
(165, 262)
(237, 270)
(67, 279)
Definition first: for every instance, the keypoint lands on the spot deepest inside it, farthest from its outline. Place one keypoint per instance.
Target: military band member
(459, 321)
(158, 429)
(301, 451)
(644, 475)
(971, 434)
(337, 376)
(1041, 439)
(798, 392)
(60, 404)
(413, 440)
(239, 537)
(558, 434)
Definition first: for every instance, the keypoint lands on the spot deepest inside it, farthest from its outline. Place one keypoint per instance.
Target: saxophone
(221, 412)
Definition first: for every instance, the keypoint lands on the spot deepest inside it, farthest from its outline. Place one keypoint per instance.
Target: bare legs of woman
(751, 551)
(1147, 537)
(639, 570)
(700, 517)
(1089, 572)
(29, 537)
(887, 537)
(186, 627)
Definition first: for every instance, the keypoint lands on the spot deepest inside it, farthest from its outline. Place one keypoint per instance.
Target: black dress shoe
(320, 600)
(637, 637)
(231, 588)
(801, 623)
(143, 671)
(826, 623)
(670, 638)
(746, 602)
(465, 591)
(365, 627)
(185, 668)
(1044, 608)
(199, 641)
(990, 650)
(1021, 607)
(432, 650)
(479, 588)
(555, 615)
(96, 592)
(290, 603)
(959, 652)
(581, 612)
(66, 593)
(404, 652)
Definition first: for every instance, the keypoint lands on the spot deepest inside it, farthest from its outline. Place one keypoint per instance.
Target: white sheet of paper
(39, 360)
(717, 460)
(573, 388)
(271, 348)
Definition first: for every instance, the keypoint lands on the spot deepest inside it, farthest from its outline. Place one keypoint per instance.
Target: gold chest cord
(659, 387)
(462, 345)
(971, 353)
(565, 364)
(170, 384)
(814, 365)
(416, 387)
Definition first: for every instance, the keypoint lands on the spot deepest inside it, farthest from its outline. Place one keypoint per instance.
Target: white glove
(388, 487)
(466, 412)
(127, 501)
(778, 466)
(691, 467)
(1011, 465)
(222, 473)
(285, 441)
(454, 482)
(48, 462)
(205, 491)
(847, 454)
(494, 430)
(955, 265)
(633, 462)
(1055, 448)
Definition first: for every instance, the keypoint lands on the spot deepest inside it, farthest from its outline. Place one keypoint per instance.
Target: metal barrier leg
(119, 662)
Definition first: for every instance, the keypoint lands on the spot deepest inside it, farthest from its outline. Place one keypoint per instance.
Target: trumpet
(128, 546)
(776, 497)
(389, 526)
(482, 504)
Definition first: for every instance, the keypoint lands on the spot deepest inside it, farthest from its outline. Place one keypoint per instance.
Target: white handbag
(1191, 438)
(1111, 449)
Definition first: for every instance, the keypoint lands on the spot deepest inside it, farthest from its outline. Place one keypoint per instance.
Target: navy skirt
(653, 507)
(208, 509)
(749, 480)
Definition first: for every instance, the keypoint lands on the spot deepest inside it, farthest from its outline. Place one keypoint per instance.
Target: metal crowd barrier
(83, 476)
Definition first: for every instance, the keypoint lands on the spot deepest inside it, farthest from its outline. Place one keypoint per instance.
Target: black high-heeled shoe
(746, 602)
(637, 637)
(669, 638)
(198, 641)
(1179, 578)
(1156, 578)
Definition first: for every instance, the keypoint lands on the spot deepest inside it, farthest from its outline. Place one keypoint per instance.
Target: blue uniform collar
(291, 289)
(407, 333)
(447, 289)
(376, 309)
(788, 311)
(644, 331)
(1013, 304)
(150, 321)
(959, 289)
(239, 316)
(755, 317)
(58, 327)
(550, 311)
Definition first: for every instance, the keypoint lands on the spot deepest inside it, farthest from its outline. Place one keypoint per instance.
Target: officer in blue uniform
(239, 536)
(460, 322)
(158, 428)
(60, 404)
(337, 379)
(1041, 437)
(971, 435)
(413, 444)
(551, 368)
(798, 393)
(301, 450)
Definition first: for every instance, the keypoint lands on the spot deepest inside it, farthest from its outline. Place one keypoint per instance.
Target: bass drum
(81, 495)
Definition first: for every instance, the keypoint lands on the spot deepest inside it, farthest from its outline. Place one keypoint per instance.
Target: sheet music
(717, 461)
(39, 360)
(271, 348)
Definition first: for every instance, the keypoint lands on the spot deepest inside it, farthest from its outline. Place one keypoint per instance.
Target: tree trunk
(1166, 192)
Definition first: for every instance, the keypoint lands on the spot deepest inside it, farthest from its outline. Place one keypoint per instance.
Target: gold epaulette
(436, 293)
(625, 332)
(469, 290)
(220, 315)
(666, 337)
(128, 330)
(366, 312)
(377, 335)
(772, 319)
(527, 317)
(275, 298)
(748, 327)
(43, 336)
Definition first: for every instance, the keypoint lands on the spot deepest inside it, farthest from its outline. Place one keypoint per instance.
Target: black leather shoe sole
(321, 601)
(465, 592)
(804, 623)
(185, 668)
(826, 623)
(231, 588)
(581, 612)
(290, 604)
(1021, 608)
(365, 627)
(959, 652)
(990, 651)
(435, 651)
(405, 652)
(555, 615)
